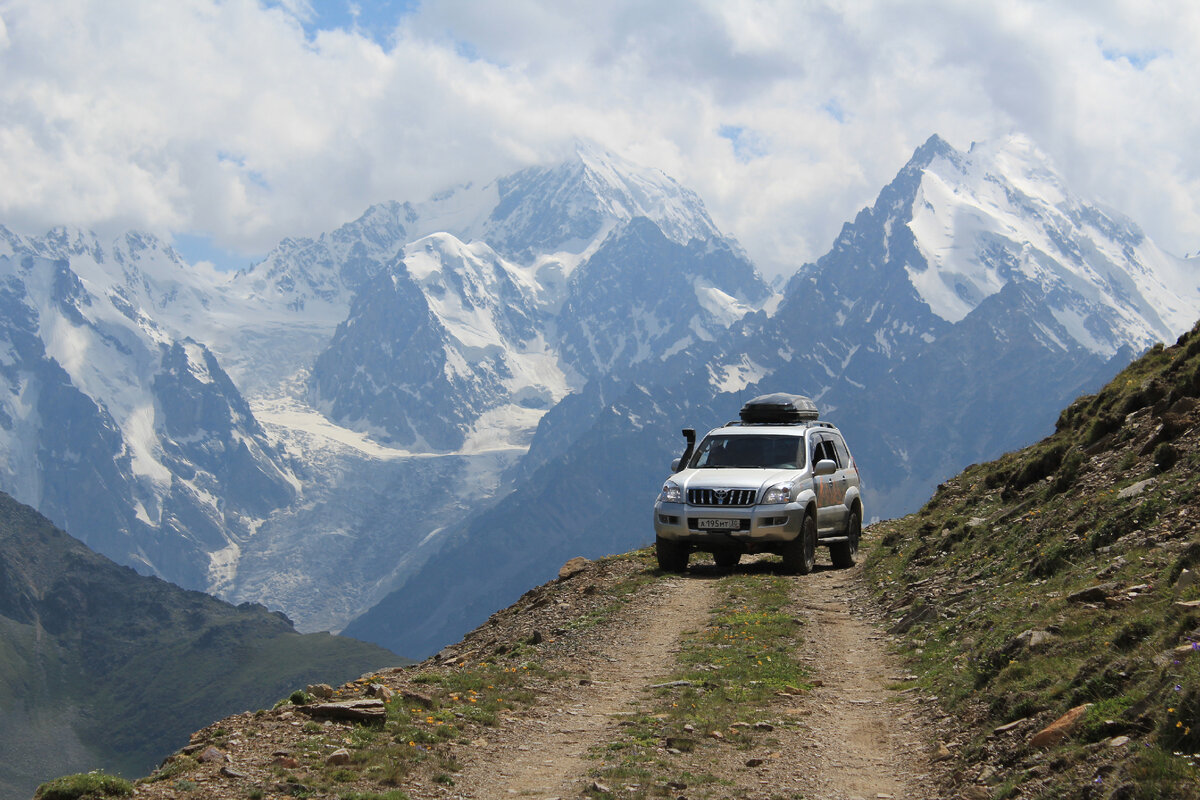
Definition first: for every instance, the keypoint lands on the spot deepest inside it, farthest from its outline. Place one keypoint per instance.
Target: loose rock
(1061, 728)
(573, 567)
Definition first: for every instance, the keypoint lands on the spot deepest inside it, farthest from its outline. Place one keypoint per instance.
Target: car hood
(733, 478)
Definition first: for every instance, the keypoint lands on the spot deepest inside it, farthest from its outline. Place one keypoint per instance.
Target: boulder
(1061, 728)
(1093, 594)
(212, 755)
(573, 567)
(352, 711)
(338, 757)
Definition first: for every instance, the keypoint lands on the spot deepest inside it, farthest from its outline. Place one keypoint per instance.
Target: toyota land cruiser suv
(777, 481)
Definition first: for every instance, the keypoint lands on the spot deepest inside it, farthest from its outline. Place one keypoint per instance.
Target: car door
(826, 486)
(842, 479)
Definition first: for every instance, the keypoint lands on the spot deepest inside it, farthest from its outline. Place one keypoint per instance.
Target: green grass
(731, 669)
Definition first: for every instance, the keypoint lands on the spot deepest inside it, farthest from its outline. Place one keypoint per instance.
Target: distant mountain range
(103, 668)
(412, 419)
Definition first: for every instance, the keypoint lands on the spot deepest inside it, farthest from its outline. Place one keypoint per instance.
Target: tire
(672, 556)
(800, 554)
(726, 559)
(842, 553)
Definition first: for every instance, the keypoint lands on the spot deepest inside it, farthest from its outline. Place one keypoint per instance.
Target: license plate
(719, 524)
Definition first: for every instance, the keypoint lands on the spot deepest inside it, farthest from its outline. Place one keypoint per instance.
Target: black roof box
(779, 408)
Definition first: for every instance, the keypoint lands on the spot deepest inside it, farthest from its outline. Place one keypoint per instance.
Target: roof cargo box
(779, 408)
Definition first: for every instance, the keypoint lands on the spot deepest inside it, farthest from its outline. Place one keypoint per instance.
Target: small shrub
(1051, 560)
(90, 784)
(1097, 722)
(1165, 456)
(1068, 472)
(1102, 426)
(1041, 465)
(1132, 634)
(175, 766)
(296, 698)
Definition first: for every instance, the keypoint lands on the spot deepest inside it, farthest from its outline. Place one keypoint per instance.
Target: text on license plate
(719, 524)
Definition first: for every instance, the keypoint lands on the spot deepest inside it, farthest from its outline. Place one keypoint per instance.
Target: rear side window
(843, 453)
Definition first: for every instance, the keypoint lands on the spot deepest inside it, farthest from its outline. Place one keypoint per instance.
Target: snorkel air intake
(689, 435)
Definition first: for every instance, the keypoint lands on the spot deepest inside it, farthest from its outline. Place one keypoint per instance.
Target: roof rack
(808, 423)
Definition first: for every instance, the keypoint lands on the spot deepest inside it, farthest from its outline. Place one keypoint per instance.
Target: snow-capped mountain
(263, 435)
(999, 214)
(466, 391)
(116, 426)
(584, 269)
(948, 323)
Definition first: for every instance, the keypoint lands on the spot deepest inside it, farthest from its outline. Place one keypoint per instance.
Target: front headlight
(671, 493)
(778, 494)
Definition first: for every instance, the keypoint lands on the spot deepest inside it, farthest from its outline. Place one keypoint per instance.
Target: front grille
(720, 497)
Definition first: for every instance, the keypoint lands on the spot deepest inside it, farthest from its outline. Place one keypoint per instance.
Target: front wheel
(842, 553)
(672, 556)
(800, 554)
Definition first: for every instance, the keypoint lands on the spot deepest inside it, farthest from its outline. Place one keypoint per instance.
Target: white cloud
(238, 120)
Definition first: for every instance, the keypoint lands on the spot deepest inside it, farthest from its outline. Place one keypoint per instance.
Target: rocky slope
(1050, 598)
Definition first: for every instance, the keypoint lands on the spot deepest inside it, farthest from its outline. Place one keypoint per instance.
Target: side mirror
(826, 466)
(675, 466)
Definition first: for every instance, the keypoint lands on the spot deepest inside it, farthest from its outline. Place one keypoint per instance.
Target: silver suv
(777, 481)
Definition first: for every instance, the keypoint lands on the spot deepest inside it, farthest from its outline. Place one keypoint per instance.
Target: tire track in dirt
(543, 754)
(859, 739)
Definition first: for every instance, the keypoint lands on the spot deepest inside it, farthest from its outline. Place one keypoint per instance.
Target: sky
(227, 126)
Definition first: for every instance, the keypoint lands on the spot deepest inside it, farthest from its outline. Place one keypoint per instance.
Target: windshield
(761, 452)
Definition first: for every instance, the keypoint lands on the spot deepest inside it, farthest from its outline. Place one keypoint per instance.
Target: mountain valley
(395, 428)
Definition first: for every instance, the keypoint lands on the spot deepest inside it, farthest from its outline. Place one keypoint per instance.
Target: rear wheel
(800, 554)
(672, 556)
(726, 559)
(842, 553)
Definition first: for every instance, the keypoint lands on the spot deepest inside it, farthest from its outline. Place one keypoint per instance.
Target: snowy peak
(320, 275)
(1000, 211)
(576, 203)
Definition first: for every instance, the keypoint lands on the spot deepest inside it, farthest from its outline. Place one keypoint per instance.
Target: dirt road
(861, 738)
(543, 755)
(856, 738)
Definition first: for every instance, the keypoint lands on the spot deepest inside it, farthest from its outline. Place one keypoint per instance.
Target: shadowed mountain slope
(103, 668)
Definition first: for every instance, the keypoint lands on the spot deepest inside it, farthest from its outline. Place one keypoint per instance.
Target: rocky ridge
(551, 696)
(1049, 598)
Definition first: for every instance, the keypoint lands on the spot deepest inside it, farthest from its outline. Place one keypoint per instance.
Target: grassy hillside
(103, 668)
(1059, 577)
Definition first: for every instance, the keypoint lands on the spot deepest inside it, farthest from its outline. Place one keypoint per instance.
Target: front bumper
(756, 524)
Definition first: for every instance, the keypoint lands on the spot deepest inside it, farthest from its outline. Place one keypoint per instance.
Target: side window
(843, 453)
(824, 450)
